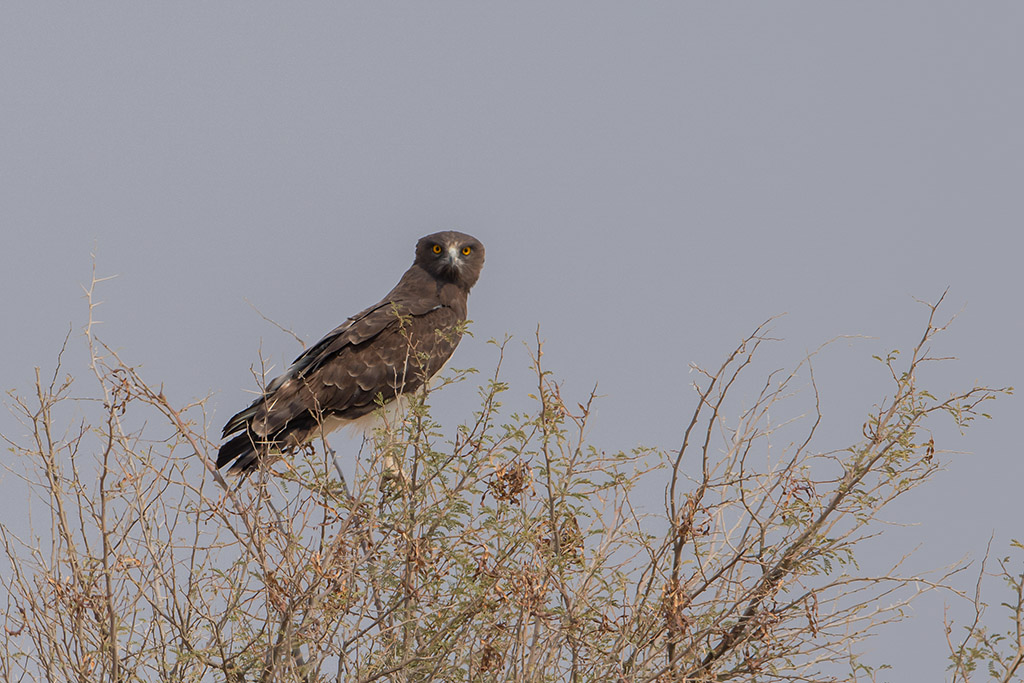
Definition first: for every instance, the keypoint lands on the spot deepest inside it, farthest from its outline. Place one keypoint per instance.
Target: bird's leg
(337, 466)
(393, 479)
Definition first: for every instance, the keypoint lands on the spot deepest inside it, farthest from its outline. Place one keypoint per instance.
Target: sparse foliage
(987, 652)
(510, 549)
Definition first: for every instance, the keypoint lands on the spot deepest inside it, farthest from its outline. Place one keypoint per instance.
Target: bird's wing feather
(358, 328)
(346, 379)
(416, 294)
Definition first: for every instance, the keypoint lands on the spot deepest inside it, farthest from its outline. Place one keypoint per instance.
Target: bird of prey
(389, 349)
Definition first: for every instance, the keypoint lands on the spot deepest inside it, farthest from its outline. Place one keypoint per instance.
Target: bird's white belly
(390, 415)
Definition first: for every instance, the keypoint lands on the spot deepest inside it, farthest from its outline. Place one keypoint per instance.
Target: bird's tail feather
(241, 420)
(241, 452)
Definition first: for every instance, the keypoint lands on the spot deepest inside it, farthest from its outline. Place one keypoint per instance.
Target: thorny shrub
(512, 549)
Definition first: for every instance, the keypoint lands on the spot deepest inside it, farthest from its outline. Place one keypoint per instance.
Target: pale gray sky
(651, 181)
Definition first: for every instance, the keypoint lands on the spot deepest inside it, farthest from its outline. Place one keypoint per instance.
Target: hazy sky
(651, 181)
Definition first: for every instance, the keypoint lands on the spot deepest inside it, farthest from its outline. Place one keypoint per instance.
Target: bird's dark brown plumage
(390, 348)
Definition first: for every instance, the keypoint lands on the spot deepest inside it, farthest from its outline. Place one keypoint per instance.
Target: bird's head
(452, 256)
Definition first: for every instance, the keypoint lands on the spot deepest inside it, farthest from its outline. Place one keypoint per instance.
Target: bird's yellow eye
(437, 249)
(466, 251)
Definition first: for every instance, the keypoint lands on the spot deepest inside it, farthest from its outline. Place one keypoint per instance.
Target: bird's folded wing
(348, 380)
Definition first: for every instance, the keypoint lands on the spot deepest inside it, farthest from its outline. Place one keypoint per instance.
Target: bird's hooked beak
(453, 256)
